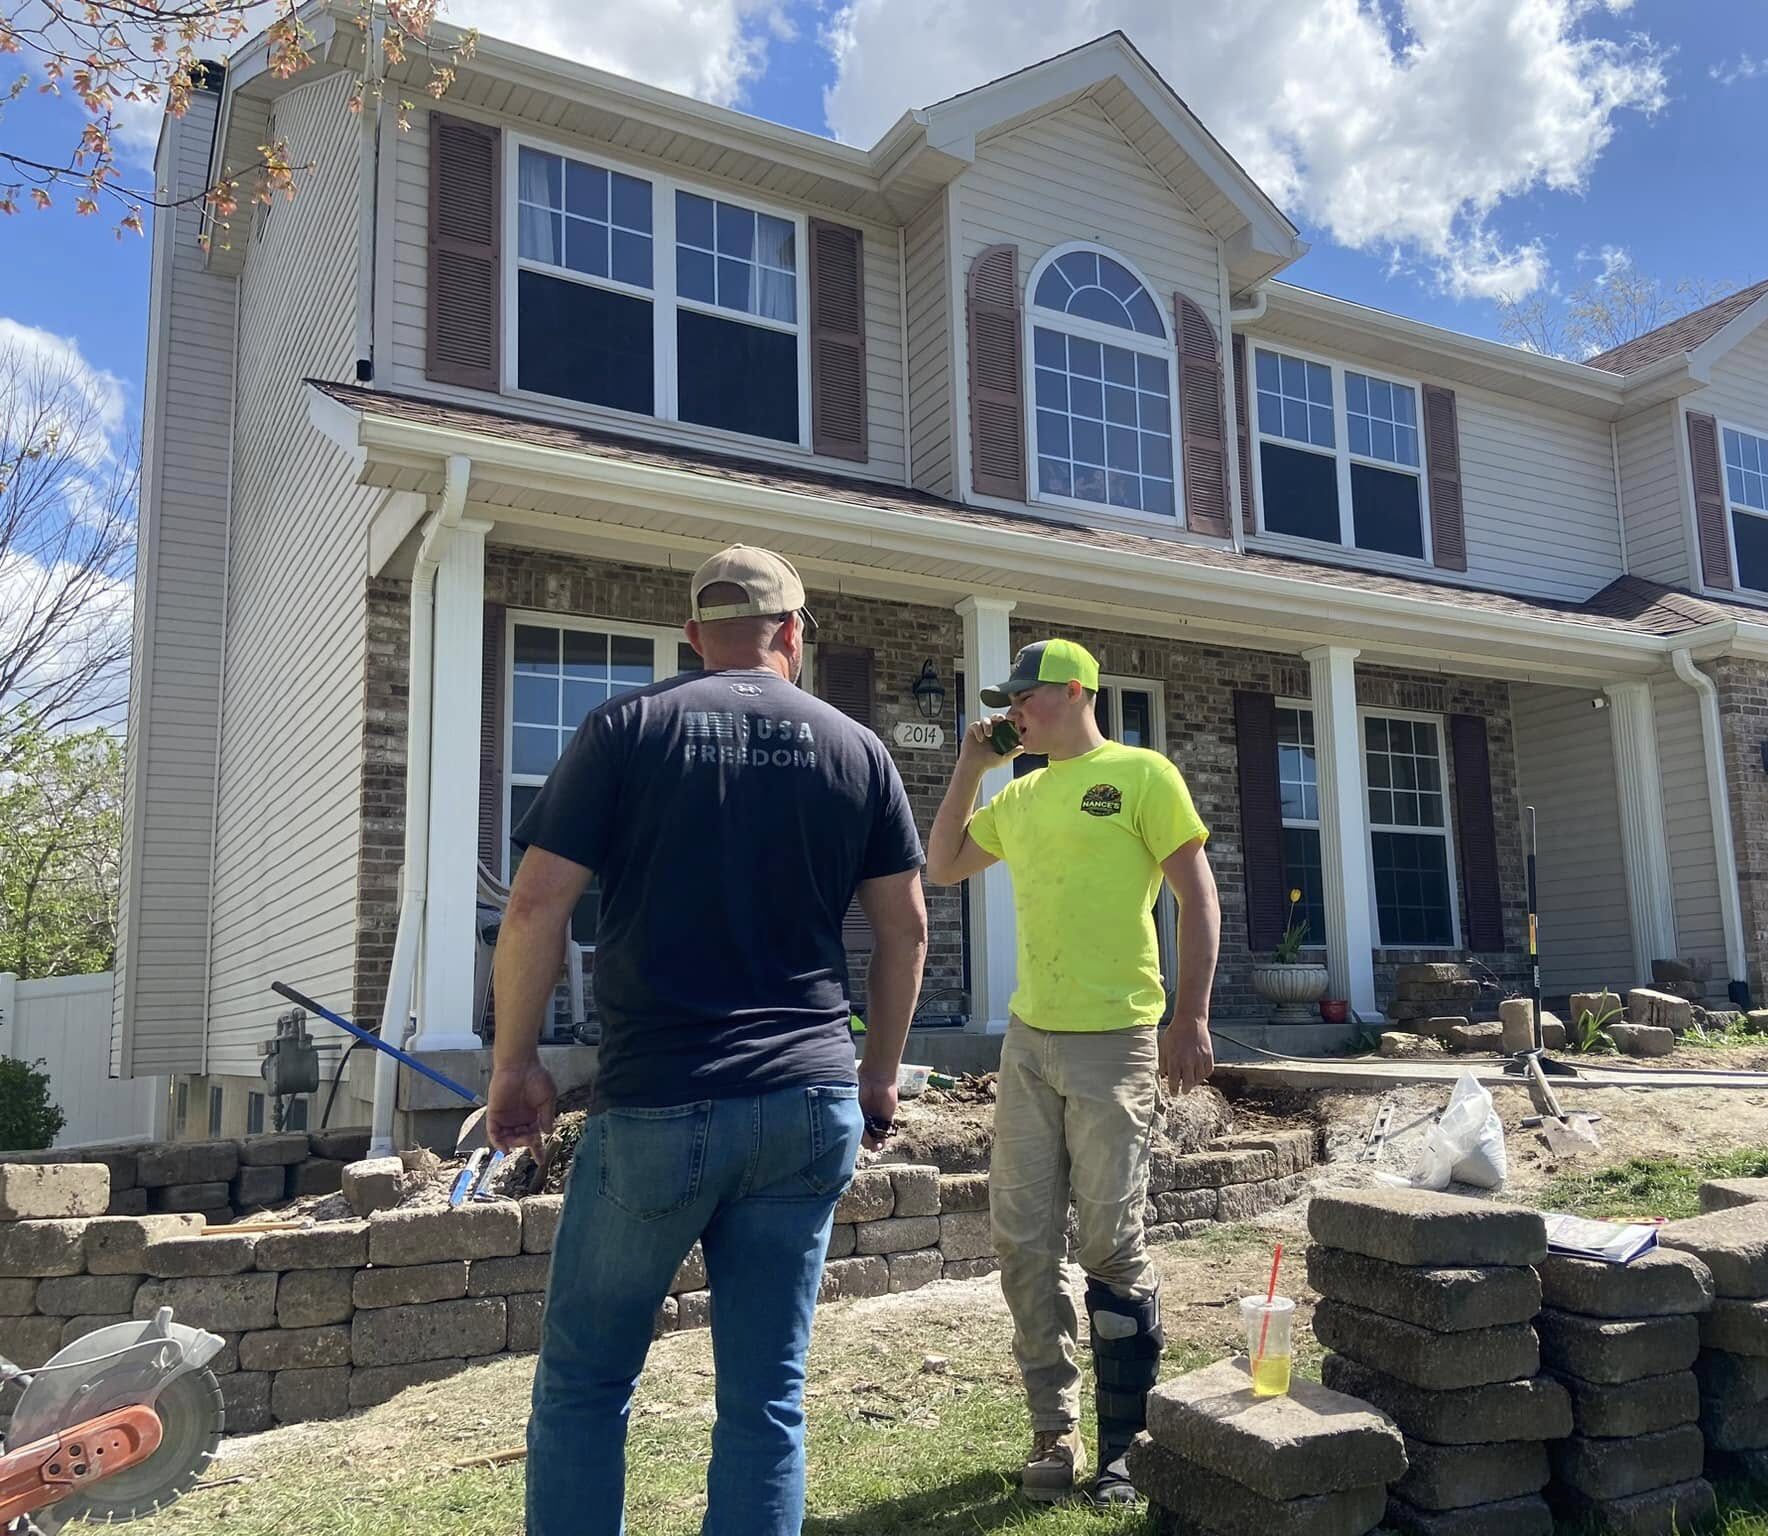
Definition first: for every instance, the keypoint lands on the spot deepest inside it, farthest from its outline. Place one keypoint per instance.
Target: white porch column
(1344, 826)
(1645, 846)
(988, 656)
(445, 995)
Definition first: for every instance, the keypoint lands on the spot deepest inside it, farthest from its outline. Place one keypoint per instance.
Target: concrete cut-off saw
(117, 1425)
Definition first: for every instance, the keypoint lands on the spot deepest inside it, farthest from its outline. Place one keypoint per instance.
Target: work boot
(1127, 1341)
(1057, 1463)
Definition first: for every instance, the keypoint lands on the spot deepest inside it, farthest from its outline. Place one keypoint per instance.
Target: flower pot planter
(1293, 989)
(1334, 1010)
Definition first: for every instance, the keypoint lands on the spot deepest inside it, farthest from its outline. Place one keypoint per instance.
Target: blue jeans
(755, 1181)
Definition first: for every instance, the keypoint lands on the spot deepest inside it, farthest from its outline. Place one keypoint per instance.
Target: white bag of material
(1466, 1144)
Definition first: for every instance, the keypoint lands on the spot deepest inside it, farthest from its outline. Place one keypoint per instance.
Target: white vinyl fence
(66, 1024)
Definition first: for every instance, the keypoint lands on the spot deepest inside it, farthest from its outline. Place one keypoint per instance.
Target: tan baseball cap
(771, 583)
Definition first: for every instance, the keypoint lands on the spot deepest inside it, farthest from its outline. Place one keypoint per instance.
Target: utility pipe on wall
(414, 873)
(1725, 851)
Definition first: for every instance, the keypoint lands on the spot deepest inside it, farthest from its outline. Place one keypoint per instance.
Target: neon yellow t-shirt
(1084, 839)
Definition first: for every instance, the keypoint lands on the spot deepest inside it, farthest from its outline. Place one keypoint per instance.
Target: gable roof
(1680, 335)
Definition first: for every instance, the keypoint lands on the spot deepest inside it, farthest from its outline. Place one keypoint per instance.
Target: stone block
(1438, 1028)
(693, 1309)
(540, 1222)
(295, 1349)
(264, 1184)
(917, 1190)
(18, 1298)
(1441, 1477)
(1430, 970)
(841, 1240)
(1733, 1426)
(297, 1397)
(1614, 1469)
(1206, 1500)
(164, 1198)
(316, 1176)
(50, 1191)
(1662, 1282)
(127, 1202)
(424, 1236)
(1596, 1004)
(1445, 1300)
(1438, 1361)
(117, 1245)
(1421, 1227)
(410, 1285)
(198, 1253)
(73, 1295)
(1688, 1506)
(220, 1303)
(1726, 1194)
(897, 1234)
(1516, 1020)
(187, 1162)
(870, 1197)
(1402, 1045)
(1535, 1409)
(438, 1330)
(30, 1341)
(245, 1402)
(312, 1298)
(1528, 1516)
(1241, 1202)
(1553, 1034)
(966, 1235)
(1736, 1378)
(911, 1271)
(1638, 1407)
(329, 1245)
(959, 1192)
(373, 1184)
(971, 1269)
(1660, 1010)
(1211, 1170)
(1314, 1440)
(1733, 1244)
(73, 1328)
(1186, 1205)
(527, 1312)
(1294, 1151)
(32, 1249)
(690, 1275)
(1641, 1039)
(275, 1149)
(1436, 993)
(346, 1144)
(523, 1272)
(1615, 1350)
(1737, 1327)
(374, 1384)
(1741, 1466)
(1471, 1039)
(869, 1276)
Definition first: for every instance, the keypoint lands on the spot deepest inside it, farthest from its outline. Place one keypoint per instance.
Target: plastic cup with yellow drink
(1268, 1320)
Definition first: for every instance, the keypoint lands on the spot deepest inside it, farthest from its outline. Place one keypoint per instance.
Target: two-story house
(431, 449)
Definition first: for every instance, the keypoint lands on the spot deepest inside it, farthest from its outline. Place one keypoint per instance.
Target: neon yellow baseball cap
(1045, 661)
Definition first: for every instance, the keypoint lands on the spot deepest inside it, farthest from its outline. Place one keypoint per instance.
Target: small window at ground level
(296, 1118)
(1384, 511)
(1300, 492)
(215, 1108)
(254, 1114)
(743, 378)
(180, 1108)
(583, 343)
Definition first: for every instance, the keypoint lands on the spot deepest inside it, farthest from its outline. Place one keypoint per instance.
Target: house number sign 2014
(919, 735)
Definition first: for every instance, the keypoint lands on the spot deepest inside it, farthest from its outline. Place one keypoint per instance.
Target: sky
(1434, 152)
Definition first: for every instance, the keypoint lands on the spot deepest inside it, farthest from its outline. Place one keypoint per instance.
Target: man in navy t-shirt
(731, 819)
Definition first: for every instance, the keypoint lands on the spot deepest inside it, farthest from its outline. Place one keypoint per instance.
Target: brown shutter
(1709, 501)
(1261, 817)
(491, 742)
(1442, 458)
(466, 297)
(1482, 915)
(997, 375)
(844, 679)
(1201, 420)
(837, 341)
(1243, 433)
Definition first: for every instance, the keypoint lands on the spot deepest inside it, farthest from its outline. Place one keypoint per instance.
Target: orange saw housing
(49, 1470)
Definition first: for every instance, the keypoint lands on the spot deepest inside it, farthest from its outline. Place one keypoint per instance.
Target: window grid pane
(1091, 286)
(1302, 868)
(559, 676)
(573, 214)
(1295, 399)
(736, 258)
(1746, 469)
(1299, 785)
(1382, 419)
(1104, 423)
(1409, 843)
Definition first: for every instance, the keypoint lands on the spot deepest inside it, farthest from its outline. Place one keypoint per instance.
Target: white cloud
(1402, 126)
(80, 398)
(1743, 67)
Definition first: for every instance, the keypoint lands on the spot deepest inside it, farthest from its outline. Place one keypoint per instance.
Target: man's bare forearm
(892, 984)
(530, 949)
(1200, 939)
(946, 839)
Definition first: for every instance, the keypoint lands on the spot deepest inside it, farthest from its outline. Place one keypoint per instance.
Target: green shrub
(28, 1121)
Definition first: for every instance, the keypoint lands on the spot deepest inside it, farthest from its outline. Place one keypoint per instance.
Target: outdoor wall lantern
(929, 692)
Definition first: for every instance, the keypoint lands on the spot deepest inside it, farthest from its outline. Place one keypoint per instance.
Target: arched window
(1102, 359)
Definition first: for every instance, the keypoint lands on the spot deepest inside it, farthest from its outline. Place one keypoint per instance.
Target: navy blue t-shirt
(729, 817)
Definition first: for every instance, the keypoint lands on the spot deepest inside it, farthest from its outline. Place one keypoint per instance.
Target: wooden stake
(493, 1458)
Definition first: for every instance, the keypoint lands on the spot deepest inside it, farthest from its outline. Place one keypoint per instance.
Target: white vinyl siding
(930, 351)
(1739, 391)
(1566, 770)
(169, 783)
(1688, 824)
(405, 369)
(292, 715)
(1655, 494)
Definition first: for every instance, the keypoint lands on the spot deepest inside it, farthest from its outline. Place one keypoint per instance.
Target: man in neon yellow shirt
(1088, 839)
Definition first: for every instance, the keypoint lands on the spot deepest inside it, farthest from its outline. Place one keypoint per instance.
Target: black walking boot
(1126, 1362)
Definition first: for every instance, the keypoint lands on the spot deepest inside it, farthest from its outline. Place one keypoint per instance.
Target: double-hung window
(1339, 458)
(643, 295)
(1298, 783)
(1746, 496)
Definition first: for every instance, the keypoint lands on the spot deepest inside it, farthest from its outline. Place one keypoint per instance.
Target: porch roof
(401, 440)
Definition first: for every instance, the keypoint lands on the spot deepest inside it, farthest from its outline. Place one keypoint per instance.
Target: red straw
(1270, 1292)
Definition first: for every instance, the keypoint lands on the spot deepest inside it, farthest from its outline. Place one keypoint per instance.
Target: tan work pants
(1074, 1118)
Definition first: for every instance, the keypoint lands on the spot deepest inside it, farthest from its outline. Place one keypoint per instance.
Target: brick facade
(1743, 724)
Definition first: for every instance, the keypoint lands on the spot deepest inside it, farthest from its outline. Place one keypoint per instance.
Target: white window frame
(1110, 335)
(662, 294)
(1304, 823)
(1446, 831)
(1734, 507)
(1341, 454)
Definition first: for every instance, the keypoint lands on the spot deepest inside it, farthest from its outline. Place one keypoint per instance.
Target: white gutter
(1725, 851)
(414, 874)
(1253, 311)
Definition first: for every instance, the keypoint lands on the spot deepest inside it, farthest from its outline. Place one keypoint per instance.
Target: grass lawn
(1650, 1187)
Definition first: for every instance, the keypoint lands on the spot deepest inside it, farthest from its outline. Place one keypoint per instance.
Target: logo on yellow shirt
(1102, 800)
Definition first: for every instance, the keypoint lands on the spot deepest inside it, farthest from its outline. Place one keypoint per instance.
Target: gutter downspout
(1614, 457)
(414, 873)
(1725, 851)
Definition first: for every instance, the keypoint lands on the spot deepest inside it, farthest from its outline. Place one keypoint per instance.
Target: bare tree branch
(1607, 311)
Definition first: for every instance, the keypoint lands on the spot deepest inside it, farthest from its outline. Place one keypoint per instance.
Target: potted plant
(1292, 984)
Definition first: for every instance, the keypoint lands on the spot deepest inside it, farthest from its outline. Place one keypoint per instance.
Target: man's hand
(877, 1102)
(977, 750)
(1186, 1055)
(520, 1105)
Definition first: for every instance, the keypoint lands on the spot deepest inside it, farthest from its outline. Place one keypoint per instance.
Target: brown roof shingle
(1681, 335)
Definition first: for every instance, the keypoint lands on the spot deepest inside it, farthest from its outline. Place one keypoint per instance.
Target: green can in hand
(1004, 737)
